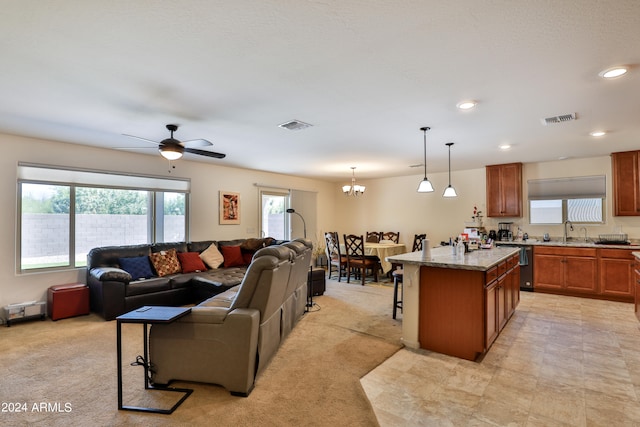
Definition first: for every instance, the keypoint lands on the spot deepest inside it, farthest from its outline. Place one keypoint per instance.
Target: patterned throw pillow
(165, 262)
(191, 262)
(212, 256)
(137, 267)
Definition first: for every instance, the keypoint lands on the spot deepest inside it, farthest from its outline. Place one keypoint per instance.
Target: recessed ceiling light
(597, 133)
(504, 147)
(612, 73)
(466, 105)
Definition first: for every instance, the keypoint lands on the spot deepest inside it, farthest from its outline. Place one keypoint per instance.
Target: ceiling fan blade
(205, 153)
(142, 139)
(134, 148)
(196, 143)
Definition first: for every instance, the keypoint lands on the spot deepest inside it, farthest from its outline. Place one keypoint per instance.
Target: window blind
(581, 187)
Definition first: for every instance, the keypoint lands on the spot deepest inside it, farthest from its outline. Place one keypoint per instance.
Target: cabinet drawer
(491, 275)
(565, 251)
(513, 261)
(502, 268)
(616, 253)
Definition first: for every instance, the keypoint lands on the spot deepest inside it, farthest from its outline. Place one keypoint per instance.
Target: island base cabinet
(452, 311)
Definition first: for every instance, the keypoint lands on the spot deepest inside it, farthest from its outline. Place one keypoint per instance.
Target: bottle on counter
(460, 248)
(452, 246)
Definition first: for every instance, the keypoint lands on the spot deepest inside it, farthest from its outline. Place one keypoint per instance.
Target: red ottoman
(67, 300)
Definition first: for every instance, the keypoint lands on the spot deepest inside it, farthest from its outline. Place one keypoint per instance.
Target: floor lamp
(304, 224)
(309, 274)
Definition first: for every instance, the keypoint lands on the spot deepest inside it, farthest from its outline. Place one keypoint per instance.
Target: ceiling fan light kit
(173, 149)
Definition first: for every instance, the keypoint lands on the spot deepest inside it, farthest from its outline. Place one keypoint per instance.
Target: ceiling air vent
(295, 125)
(560, 119)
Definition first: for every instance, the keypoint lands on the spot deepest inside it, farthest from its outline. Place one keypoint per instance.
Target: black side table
(148, 315)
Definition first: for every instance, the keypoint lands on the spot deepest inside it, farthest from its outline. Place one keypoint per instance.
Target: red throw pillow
(191, 262)
(247, 257)
(232, 256)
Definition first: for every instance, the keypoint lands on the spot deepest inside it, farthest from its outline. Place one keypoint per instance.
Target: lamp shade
(171, 152)
(425, 186)
(449, 192)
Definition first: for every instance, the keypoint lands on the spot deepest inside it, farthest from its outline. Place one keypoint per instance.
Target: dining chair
(398, 274)
(334, 255)
(394, 236)
(373, 237)
(357, 260)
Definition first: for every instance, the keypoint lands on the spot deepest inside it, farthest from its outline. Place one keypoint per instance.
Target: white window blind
(582, 187)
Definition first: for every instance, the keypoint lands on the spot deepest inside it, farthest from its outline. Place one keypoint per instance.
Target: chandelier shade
(353, 189)
(425, 185)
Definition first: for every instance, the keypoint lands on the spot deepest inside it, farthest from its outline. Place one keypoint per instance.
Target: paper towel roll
(426, 249)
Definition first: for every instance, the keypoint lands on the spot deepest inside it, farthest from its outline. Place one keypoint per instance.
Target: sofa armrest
(110, 274)
(206, 315)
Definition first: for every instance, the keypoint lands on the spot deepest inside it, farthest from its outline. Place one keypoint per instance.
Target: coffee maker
(504, 231)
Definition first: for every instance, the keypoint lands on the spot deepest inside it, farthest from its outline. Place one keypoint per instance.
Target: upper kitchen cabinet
(504, 190)
(626, 186)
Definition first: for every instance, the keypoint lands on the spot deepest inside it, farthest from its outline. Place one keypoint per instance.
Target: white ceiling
(367, 74)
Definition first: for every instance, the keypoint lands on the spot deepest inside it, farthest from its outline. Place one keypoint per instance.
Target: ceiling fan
(172, 149)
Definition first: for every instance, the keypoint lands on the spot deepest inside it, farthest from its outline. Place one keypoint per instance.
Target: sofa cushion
(232, 256)
(106, 274)
(191, 262)
(226, 277)
(138, 267)
(212, 256)
(147, 286)
(165, 262)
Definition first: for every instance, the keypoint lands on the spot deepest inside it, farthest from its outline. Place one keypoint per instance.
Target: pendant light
(449, 191)
(353, 189)
(425, 185)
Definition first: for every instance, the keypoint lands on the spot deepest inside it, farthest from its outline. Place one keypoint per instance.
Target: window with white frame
(64, 213)
(575, 199)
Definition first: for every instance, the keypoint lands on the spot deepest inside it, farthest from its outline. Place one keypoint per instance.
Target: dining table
(384, 250)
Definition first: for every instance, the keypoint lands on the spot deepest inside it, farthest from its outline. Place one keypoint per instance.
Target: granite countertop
(481, 260)
(570, 243)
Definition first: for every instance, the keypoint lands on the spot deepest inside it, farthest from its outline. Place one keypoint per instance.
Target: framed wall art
(229, 207)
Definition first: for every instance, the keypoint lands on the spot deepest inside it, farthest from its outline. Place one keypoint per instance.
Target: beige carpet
(64, 372)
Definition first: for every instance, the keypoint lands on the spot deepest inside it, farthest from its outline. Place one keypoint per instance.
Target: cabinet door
(580, 274)
(617, 277)
(504, 190)
(491, 321)
(515, 284)
(512, 189)
(626, 187)
(501, 302)
(637, 292)
(548, 272)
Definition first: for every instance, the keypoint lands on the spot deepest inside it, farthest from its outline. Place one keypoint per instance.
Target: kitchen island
(458, 306)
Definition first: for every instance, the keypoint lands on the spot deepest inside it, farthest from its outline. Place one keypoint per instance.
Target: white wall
(393, 204)
(206, 181)
(390, 204)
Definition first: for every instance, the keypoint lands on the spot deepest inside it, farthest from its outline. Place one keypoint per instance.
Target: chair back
(332, 245)
(393, 236)
(417, 242)
(354, 245)
(373, 237)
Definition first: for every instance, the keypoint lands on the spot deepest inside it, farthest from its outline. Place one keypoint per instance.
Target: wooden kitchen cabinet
(625, 167)
(504, 190)
(617, 276)
(565, 270)
(636, 297)
(501, 297)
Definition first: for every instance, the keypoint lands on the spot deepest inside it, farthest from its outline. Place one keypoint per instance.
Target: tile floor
(560, 361)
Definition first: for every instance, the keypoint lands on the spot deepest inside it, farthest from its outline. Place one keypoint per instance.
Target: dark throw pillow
(138, 267)
(232, 256)
(191, 262)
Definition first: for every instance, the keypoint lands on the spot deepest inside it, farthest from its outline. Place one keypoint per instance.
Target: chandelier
(353, 189)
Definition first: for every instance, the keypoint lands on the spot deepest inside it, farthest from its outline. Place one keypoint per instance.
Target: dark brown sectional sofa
(114, 292)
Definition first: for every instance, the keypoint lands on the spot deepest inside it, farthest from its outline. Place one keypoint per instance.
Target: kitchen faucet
(585, 233)
(564, 238)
